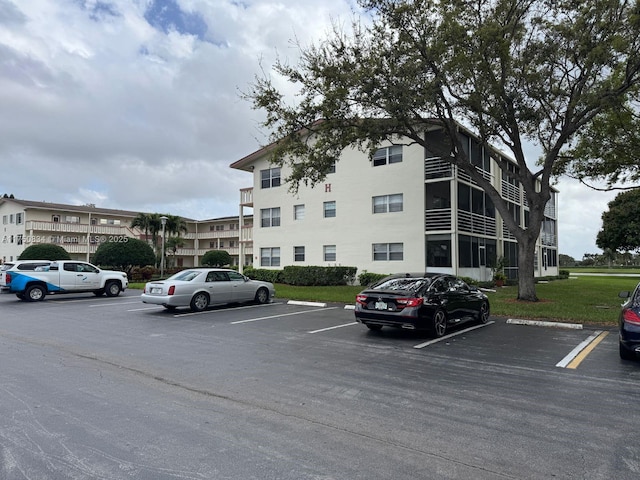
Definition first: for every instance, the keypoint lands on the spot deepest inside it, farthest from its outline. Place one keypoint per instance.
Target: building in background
(400, 211)
(80, 229)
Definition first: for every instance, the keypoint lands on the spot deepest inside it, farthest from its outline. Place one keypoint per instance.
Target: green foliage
(263, 274)
(44, 251)
(312, 275)
(216, 258)
(367, 279)
(607, 149)
(621, 223)
(143, 274)
(124, 255)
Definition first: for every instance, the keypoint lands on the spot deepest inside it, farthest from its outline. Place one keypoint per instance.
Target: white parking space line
(436, 340)
(113, 303)
(582, 346)
(190, 314)
(333, 328)
(280, 315)
(142, 309)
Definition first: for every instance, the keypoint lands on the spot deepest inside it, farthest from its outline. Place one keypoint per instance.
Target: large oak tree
(514, 71)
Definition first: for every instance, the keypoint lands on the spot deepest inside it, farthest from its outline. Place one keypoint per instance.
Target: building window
(438, 250)
(298, 212)
(18, 218)
(388, 251)
(387, 155)
(329, 209)
(106, 221)
(4, 219)
(270, 257)
(329, 253)
(71, 219)
(298, 254)
(270, 217)
(388, 203)
(55, 218)
(270, 178)
(332, 168)
(11, 218)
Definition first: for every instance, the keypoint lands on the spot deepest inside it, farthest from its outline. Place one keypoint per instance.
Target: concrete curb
(307, 304)
(538, 323)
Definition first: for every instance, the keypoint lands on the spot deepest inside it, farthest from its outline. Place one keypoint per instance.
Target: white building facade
(401, 211)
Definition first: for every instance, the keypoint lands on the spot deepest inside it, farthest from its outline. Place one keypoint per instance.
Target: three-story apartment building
(400, 211)
(80, 229)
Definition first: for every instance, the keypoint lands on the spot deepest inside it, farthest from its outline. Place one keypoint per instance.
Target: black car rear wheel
(439, 327)
(625, 353)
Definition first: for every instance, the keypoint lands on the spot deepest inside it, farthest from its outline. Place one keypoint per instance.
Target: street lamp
(163, 220)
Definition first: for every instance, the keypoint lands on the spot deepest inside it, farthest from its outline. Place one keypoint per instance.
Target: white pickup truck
(63, 276)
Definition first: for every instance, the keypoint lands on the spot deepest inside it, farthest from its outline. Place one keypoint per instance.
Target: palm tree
(141, 221)
(173, 243)
(174, 224)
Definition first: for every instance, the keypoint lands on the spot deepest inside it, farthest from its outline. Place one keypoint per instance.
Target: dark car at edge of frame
(422, 301)
(629, 321)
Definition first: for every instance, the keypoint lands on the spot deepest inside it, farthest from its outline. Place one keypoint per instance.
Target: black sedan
(429, 301)
(630, 325)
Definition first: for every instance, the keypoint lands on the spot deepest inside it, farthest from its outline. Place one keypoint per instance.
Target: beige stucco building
(80, 229)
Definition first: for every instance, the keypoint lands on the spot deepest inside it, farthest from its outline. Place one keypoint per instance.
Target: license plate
(156, 290)
(381, 306)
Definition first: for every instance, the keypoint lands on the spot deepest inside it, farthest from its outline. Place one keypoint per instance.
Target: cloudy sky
(135, 104)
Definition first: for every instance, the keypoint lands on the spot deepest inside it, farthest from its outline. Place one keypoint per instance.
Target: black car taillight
(631, 317)
(361, 299)
(409, 302)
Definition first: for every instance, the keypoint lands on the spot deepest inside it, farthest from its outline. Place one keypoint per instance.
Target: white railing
(438, 219)
(246, 197)
(478, 224)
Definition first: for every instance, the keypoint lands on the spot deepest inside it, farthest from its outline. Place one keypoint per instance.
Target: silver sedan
(199, 288)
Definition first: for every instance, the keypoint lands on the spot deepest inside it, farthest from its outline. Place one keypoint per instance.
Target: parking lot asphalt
(113, 388)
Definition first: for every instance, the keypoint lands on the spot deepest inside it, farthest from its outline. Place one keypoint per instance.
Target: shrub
(44, 251)
(273, 276)
(216, 258)
(143, 274)
(366, 279)
(318, 276)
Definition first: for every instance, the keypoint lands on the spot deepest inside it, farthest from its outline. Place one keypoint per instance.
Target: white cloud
(101, 107)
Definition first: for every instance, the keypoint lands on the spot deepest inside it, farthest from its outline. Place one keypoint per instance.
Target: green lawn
(582, 299)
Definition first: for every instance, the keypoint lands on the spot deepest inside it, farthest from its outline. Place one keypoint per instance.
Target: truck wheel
(35, 293)
(112, 289)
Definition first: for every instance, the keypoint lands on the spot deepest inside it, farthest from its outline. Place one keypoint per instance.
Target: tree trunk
(526, 279)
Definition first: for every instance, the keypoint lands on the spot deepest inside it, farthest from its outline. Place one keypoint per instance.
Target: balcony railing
(438, 219)
(246, 197)
(478, 224)
(78, 228)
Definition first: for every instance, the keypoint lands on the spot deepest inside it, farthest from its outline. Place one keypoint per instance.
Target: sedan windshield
(405, 284)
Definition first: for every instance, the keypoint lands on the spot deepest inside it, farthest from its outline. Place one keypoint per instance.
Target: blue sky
(134, 104)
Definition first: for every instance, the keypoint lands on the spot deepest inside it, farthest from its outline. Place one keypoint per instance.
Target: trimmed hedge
(262, 274)
(367, 279)
(304, 276)
(318, 276)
